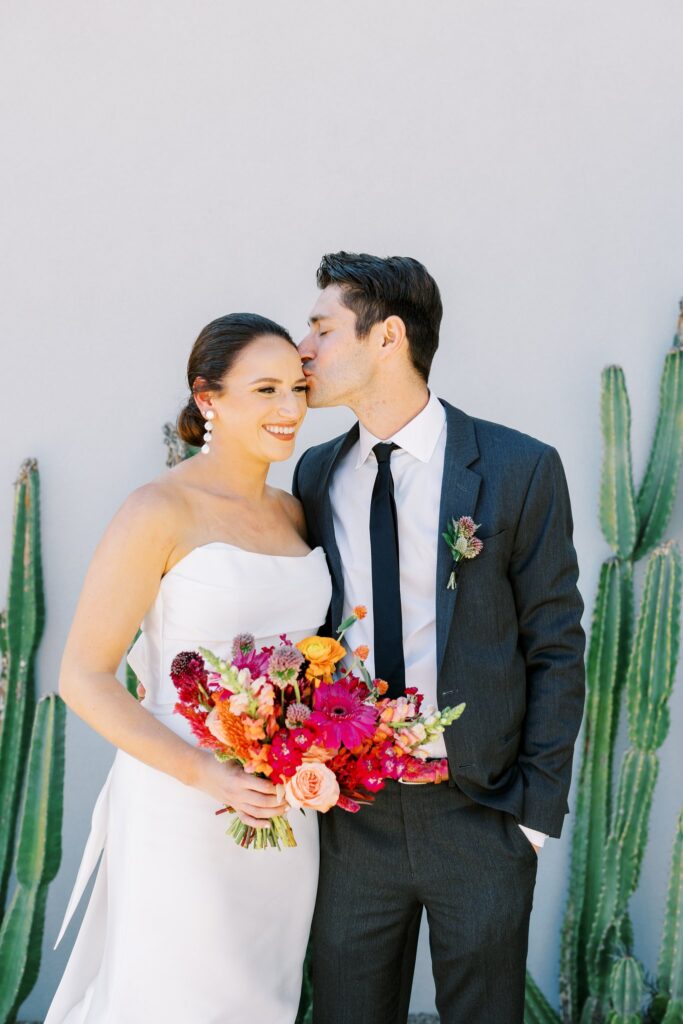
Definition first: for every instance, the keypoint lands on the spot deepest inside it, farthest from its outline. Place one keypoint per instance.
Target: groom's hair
(376, 288)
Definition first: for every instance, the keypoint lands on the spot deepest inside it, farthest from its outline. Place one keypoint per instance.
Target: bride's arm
(121, 584)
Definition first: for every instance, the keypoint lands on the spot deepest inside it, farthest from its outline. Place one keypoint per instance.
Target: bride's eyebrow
(275, 380)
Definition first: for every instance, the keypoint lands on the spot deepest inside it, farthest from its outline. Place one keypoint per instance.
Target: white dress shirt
(417, 470)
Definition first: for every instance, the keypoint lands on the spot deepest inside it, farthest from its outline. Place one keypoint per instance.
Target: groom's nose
(306, 348)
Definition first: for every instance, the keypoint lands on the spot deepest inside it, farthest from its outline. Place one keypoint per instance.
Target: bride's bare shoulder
(157, 509)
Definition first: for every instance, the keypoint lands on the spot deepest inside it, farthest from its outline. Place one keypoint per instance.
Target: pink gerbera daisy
(341, 717)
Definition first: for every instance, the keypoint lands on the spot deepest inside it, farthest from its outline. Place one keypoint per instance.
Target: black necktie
(386, 580)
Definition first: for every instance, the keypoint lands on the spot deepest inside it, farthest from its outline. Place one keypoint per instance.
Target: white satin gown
(183, 926)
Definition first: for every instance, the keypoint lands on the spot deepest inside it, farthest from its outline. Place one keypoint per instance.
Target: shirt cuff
(537, 838)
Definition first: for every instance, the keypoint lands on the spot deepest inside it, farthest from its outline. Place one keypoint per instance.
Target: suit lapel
(459, 491)
(324, 505)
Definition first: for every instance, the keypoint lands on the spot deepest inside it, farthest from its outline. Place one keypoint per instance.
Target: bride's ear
(202, 395)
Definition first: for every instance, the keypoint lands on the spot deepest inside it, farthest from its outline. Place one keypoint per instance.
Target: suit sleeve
(295, 479)
(544, 574)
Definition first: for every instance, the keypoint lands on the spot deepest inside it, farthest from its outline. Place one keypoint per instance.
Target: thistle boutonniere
(463, 544)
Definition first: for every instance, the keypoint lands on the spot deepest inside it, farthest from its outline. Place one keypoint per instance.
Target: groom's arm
(295, 479)
(543, 573)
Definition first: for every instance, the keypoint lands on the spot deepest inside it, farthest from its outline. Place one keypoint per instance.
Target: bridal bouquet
(292, 713)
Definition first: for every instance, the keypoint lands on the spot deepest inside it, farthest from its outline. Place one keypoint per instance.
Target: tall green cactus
(38, 855)
(25, 619)
(31, 762)
(609, 835)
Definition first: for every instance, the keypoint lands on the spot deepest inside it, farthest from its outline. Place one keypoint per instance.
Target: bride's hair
(212, 356)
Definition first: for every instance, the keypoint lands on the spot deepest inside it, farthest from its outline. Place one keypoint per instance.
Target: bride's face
(263, 401)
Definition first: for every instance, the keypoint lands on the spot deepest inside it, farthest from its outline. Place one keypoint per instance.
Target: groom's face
(337, 363)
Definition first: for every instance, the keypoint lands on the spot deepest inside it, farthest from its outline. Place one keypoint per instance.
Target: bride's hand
(253, 799)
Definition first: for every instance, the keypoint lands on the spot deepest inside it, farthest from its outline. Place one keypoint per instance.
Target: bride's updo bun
(212, 357)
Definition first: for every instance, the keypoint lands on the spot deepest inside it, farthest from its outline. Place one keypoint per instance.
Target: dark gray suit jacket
(509, 637)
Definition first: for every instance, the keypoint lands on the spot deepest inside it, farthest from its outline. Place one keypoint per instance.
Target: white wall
(167, 162)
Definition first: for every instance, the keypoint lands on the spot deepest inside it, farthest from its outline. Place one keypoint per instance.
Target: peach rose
(323, 653)
(314, 786)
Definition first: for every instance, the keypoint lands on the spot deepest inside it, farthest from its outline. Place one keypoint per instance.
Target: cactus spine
(610, 834)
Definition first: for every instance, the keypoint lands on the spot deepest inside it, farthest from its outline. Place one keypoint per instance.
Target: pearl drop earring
(208, 427)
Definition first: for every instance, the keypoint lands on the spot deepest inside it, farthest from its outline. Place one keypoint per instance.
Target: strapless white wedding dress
(183, 926)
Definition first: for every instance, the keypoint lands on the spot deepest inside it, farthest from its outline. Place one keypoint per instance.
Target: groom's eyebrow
(316, 319)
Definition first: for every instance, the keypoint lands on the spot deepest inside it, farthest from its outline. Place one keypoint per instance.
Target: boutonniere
(463, 544)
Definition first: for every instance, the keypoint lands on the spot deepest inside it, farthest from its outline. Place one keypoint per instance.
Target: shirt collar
(418, 437)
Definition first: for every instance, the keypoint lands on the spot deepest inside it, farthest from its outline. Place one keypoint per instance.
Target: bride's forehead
(268, 356)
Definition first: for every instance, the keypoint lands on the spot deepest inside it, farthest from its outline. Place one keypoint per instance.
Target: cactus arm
(3, 664)
(653, 665)
(38, 856)
(606, 664)
(670, 966)
(25, 620)
(617, 498)
(627, 988)
(674, 1012)
(537, 1009)
(650, 676)
(660, 482)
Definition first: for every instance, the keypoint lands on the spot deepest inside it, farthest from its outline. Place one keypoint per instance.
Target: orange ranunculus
(381, 685)
(322, 653)
(362, 652)
(360, 611)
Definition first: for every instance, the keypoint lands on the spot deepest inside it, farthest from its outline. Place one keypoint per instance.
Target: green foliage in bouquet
(31, 761)
(600, 979)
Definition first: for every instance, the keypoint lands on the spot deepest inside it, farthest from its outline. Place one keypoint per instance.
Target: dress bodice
(217, 591)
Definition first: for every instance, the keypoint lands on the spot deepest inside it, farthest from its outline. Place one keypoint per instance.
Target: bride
(183, 925)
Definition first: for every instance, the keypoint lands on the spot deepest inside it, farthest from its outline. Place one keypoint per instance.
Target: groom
(506, 640)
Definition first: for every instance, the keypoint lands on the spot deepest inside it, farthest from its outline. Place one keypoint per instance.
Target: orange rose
(314, 786)
(322, 653)
(360, 611)
(362, 652)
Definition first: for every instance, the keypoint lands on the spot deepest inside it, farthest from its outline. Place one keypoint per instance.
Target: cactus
(607, 658)
(38, 855)
(36, 758)
(627, 991)
(658, 489)
(609, 835)
(650, 681)
(537, 1009)
(617, 498)
(24, 627)
(670, 966)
